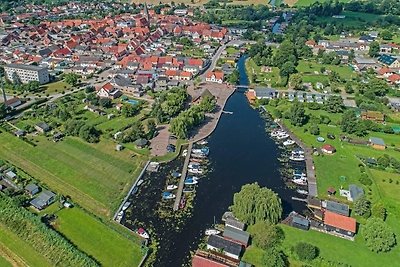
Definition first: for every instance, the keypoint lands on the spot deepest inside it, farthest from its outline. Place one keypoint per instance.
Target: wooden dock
(183, 177)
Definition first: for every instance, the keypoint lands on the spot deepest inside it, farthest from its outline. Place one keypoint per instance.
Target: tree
(136, 131)
(349, 121)
(298, 115)
(89, 134)
(3, 110)
(379, 211)
(362, 207)
(379, 237)
(105, 102)
(285, 53)
(386, 35)
(255, 204)
(89, 89)
(233, 78)
(274, 258)
(287, 69)
(306, 251)
(334, 104)
(314, 129)
(296, 81)
(71, 78)
(151, 128)
(374, 49)
(265, 235)
(348, 88)
(129, 110)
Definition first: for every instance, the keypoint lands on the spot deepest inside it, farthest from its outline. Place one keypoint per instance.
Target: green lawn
(261, 78)
(22, 253)
(109, 247)
(56, 87)
(309, 68)
(310, 2)
(352, 19)
(388, 190)
(94, 175)
(4, 262)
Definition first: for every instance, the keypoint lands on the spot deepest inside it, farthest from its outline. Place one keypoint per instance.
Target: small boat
(200, 156)
(176, 174)
(289, 142)
(135, 189)
(298, 151)
(297, 157)
(168, 195)
(282, 136)
(171, 187)
(209, 232)
(140, 182)
(202, 142)
(182, 203)
(196, 160)
(191, 182)
(142, 233)
(299, 173)
(302, 192)
(125, 206)
(203, 151)
(194, 165)
(193, 178)
(119, 216)
(195, 171)
(299, 181)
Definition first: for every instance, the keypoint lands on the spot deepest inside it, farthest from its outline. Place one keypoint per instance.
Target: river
(241, 152)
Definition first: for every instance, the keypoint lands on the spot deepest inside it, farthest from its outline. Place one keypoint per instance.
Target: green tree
(151, 128)
(314, 129)
(379, 211)
(334, 104)
(286, 52)
(306, 251)
(349, 88)
(362, 207)
(105, 102)
(136, 131)
(71, 78)
(265, 235)
(374, 49)
(3, 110)
(386, 35)
(89, 134)
(255, 204)
(129, 110)
(287, 69)
(349, 121)
(233, 78)
(379, 237)
(274, 258)
(298, 115)
(296, 81)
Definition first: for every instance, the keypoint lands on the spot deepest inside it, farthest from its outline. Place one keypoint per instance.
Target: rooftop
(25, 67)
(222, 243)
(340, 221)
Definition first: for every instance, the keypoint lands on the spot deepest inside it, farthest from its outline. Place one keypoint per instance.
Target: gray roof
(377, 141)
(355, 191)
(236, 234)
(43, 199)
(301, 221)
(222, 243)
(234, 223)
(31, 187)
(337, 207)
(121, 81)
(265, 92)
(25, 67)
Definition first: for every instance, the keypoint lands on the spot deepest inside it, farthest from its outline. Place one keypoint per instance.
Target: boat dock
(312, 180)
(183, 177)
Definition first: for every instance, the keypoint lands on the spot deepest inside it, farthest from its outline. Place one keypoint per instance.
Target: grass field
(310, 2)
(94, 175)
(352, 18)
(261, 78)
(98, 240)
(4, 262)
(19, 251)
(55, 87)
(388, 190)
(309, 68)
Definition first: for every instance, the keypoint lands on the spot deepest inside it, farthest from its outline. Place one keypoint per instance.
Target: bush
(379, 211)
(379, 237)
(314, 129)
(365, 180)
(306, 251)
(362, 207)
(266, 236)
(275, 258)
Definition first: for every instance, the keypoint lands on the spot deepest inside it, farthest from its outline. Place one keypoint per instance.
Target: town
(126, 129)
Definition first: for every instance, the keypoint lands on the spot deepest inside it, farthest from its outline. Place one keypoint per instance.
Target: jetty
(183, 177)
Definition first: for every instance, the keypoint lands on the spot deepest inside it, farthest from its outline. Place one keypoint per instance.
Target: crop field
(107, 246)
(94, 175)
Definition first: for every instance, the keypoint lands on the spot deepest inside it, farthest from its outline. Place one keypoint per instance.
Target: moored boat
(142, 233)
(297, 157)
(140, 182)
(209, 232)
(168, 195)
(300, 181)
(195, 171)
(282, 136)
(126, 206)
(171, 187)
(188, 190)
(176, 174)
(289, 142)
(302, 192)
(182, 203)
(190, 182)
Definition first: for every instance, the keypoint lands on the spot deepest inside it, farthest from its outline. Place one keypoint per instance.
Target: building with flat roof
(27, 73)
(236, 235)
(229, 248)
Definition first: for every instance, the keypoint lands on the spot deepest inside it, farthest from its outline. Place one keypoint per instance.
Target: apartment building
(27, 73)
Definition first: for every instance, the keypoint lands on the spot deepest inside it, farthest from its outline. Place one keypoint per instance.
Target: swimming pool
(132, 102)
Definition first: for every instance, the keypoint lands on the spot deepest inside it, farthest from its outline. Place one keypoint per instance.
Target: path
(158, 145)
(312, 181)
(183, 177)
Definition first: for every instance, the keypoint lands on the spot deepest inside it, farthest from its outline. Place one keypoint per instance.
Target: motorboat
(191, 181)
(209, 232)
(140, 182)
(195, 171)
(171, 187)
(302, 192)
(297, 157)
(125, 206)
(168, 195)
(282, 136)
(202, 142)
(142, 233)
(135, 189)
(119, 216)
(196, 160)
(193, 178)
(188, 190)
(176, 174)
(298, 151)
(182, 203)
(299, 181)
(194, 165)
(299, 173)
(289, 142)
(199, 156)
(202, 151)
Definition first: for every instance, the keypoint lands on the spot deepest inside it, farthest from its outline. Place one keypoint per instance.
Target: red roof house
(340, 223)
(328, 149)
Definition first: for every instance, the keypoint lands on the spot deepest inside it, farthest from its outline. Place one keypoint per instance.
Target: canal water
(241, 152)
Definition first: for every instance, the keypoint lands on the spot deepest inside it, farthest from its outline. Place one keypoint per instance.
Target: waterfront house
(43, 200)
(265, 93)
(236, 235)
(214, 259)
(339, 225)
(377, 143)
(298, 221)
(32, 189)
(215, 76)
(337, 207)
(229, 248)
(232, 222)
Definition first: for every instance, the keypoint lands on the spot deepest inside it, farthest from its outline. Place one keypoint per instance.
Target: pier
(183, 177)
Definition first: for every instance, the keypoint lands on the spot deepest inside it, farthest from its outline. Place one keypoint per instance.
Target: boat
(194, 165)
(193, 178)
(195, 171)
(202, 151)
(289, 142)
(299, 173)
(168, 195)
(135, 189)
(202, 142)
(125, 206)
(298, 151)
(171, 187)
(196, 160)
(142, 233)
(297, 157)
(140, 182)
(176, 174)
(300, 181)
(200, 156)
(182, 203)
(188, 190)
(302, 192)
(191, 181)
(282, 136)
(209, 232)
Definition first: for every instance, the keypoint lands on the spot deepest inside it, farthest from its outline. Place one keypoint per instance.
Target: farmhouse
(377, 143)
(229, 248)
(339, 224)
(43, 200)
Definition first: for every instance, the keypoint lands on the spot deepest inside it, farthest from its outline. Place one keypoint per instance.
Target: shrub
(379, 211)
(314, 129)
(306, 251)
(365, 180)
(362, 207)
(379, 237)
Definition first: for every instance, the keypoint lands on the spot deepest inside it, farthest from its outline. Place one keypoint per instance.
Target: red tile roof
(199, 261)
(340, 221)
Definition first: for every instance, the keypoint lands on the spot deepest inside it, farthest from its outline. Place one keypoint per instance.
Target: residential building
(339, 224)
(338, 208)
(355, 192)
(43, 200)
(229, 248)
(232, 222)
(13, 102)
(389, 61)
(27, 73)
(108, 91)
(215, 76)
(42, 127)
(32, 189)
(236, 235)
(377, 143)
